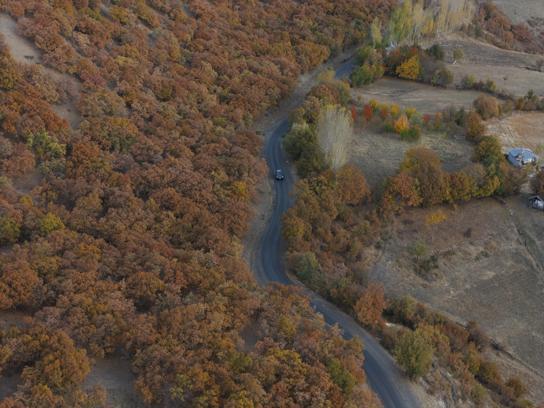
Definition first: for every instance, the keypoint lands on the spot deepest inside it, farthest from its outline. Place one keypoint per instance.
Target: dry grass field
(379, 155)
(512, 71)
(489, 268)
(520, 11)
(520, 129)
(408, 94)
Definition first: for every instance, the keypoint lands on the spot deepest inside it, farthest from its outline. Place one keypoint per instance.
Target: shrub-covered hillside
(121, 235)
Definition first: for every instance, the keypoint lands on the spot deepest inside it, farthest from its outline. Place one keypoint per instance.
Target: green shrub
(341, 376)
(411, 134)
(487, 106)
(362, 76)
(458, 54)
(442, 77)
(46, 147)
(414, 353)
(436, 51)
(364, 54)
(468, 82)
(489, 152)
(302, 146)
(306, 267)
(478, 393)
(49, 223)
(9, 230)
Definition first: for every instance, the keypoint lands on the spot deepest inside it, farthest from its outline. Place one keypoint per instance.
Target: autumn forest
(120, 232)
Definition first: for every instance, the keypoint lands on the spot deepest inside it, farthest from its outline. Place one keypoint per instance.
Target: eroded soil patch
(521, 129)
(115, 375)
(25, 52)
(512, 71)
(408, 94)
(489, 269)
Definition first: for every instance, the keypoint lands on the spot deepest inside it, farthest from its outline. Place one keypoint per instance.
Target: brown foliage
(123, 234)
(487, 106)
(370, 306)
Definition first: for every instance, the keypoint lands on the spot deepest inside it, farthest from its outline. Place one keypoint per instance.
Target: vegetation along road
(383, 374)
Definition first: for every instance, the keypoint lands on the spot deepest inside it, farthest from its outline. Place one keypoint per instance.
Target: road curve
(383, 376)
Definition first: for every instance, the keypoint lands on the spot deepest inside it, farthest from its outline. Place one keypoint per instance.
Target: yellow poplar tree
(410, 69)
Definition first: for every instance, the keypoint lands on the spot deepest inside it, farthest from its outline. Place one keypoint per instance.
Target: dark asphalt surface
(383, 375)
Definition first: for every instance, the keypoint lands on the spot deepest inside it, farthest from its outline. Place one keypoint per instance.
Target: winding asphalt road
(383, 375)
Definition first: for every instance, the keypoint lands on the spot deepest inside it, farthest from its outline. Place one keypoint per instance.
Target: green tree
(302, 146)
(306, 266)
(376, 33)
(49, 223)
(414, 353)
(489, 153)
(341, 376)
(9, 230)
(410, 69)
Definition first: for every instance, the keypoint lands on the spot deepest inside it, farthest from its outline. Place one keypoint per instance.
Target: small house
(536, 202)
(519, 157)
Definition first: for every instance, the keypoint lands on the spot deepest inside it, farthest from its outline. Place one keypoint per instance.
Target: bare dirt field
(408, 94)
(512, 71)
(490, 261)
(379, 155)
(114, 374)
(521, 129)
(520, 11)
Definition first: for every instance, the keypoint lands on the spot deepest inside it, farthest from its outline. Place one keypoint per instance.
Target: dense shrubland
(123, 236)
(412, 63)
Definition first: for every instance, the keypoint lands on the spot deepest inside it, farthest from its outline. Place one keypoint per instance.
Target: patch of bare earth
(521, 129)
(115, 376)
(409, 94)
(489, 269)
(25, 52)
(521, 11)
(512, 71)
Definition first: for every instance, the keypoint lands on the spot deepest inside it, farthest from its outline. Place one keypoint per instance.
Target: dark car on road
(279, 174)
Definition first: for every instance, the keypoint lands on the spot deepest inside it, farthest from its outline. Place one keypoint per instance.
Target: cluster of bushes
(529, 102)
(405, 62)
(406, 123)
(371, 67)
(488, 86)
(422, 181)
(427, 335)
(416, 64)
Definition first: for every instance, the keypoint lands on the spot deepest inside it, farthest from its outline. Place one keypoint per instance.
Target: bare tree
(335, 131)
